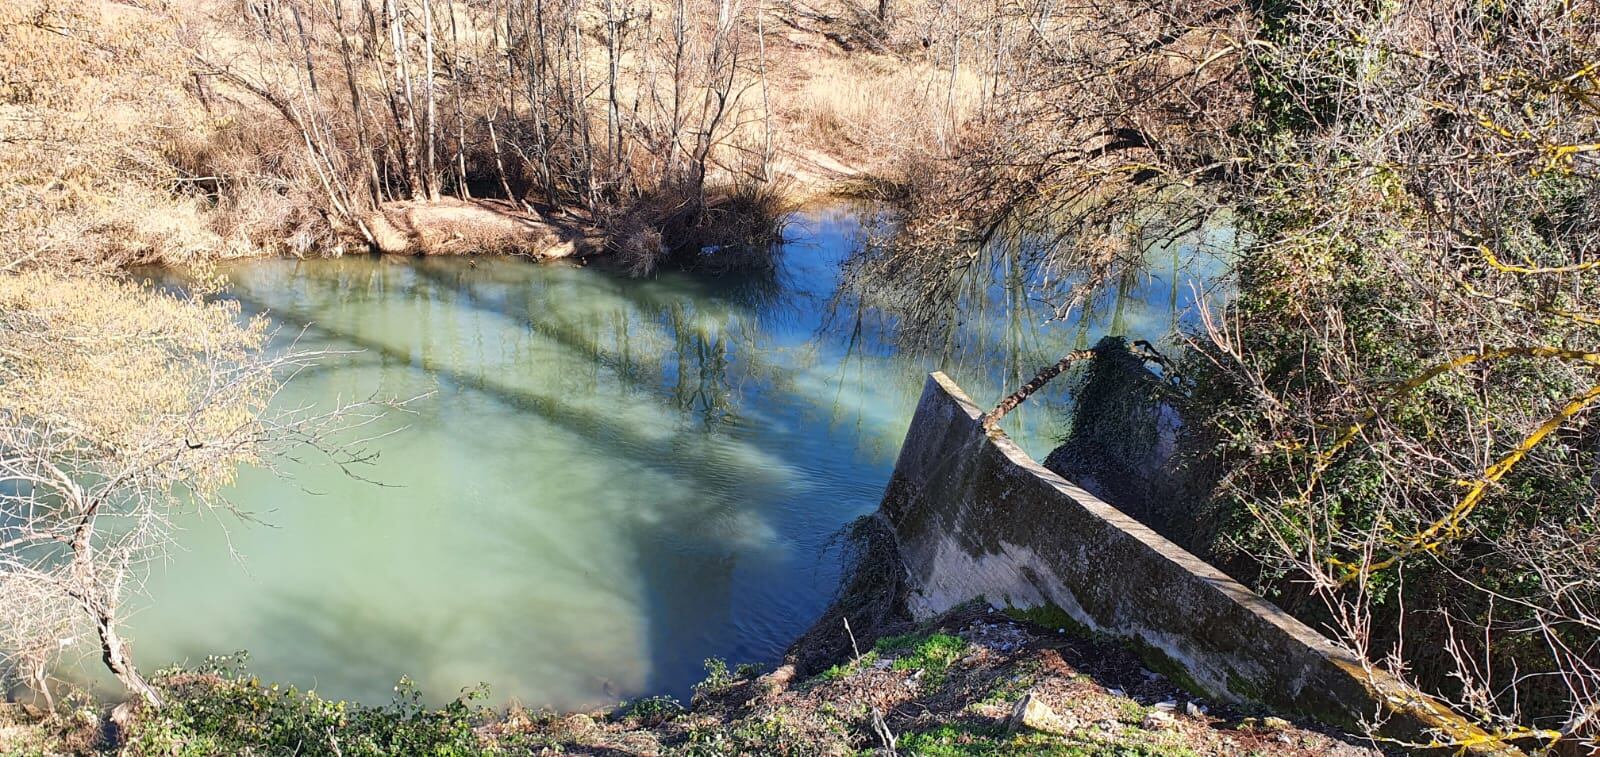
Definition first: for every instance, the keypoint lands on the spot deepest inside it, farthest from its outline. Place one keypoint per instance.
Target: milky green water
(609, 480)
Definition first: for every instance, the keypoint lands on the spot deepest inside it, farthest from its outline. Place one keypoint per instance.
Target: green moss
(1050, 616)
(1130, 711)
(1243, 688)
(938, 650)
(1158, 661)
(1012, 688)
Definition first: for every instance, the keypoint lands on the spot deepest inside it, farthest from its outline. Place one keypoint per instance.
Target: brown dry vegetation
(950, 686)
(1394, 416)
(179, 132)
(91, 101)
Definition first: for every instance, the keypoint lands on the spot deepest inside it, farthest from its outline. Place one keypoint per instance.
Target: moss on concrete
(1160, 662)
(1050, 616)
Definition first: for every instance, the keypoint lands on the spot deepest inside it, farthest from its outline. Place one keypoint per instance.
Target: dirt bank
(449, 226)
(950, 687)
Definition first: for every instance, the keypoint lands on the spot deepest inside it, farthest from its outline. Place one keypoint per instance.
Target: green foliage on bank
(222, 709)
(933, 654)
(985, 740)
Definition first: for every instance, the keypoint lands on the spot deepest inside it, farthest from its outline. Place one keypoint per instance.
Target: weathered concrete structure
(974, 516)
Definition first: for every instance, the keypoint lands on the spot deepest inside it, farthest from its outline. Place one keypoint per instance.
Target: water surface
(609, 480)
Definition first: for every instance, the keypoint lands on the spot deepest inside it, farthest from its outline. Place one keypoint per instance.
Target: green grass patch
(993, 740)
(970, 740)
(845, 670)
(931, 653)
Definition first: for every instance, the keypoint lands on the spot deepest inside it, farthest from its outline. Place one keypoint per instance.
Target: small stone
(1276, 724)
(1158, 720)
(1171, 705)
(1119, 693)
(1150, 676)
(1032, 713)
(1195, 710)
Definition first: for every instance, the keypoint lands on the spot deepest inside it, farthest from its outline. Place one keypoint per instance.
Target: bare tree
(121, 408)
(531, 102)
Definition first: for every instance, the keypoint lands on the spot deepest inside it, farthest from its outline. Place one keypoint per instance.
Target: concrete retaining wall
(975, 517)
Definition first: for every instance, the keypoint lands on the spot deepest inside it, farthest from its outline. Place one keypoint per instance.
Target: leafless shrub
(1090, 137)
(120, 408)
(588, 105)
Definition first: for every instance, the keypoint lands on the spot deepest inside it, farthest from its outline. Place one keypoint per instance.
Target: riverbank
(1386, 424)
(973, 682)
(178, 135)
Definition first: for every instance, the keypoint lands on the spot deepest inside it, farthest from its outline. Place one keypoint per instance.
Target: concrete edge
(1398, 700)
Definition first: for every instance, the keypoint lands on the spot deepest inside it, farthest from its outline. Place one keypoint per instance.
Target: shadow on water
(688, 587)
(615, 480)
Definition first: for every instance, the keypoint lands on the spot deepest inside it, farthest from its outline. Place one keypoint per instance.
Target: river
(607, 481)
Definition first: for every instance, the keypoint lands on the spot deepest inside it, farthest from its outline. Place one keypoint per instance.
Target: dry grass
(455, 227)
(85, 101)
(114, 153)
(118, 147)
(738, 228)
(874, 110)
(950, 687)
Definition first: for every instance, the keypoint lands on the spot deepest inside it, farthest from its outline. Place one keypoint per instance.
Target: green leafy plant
(717, 676)
(221, 709)
(653, 711)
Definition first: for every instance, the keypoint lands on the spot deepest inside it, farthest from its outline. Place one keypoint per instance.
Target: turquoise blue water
(607, 481)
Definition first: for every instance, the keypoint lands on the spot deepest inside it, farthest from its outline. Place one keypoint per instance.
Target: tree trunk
(431, 132)
(114, 651)
(99, 603)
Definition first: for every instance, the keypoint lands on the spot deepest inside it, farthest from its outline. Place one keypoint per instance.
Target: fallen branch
(992, 418)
